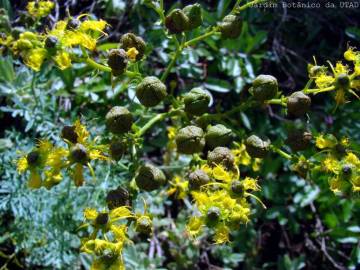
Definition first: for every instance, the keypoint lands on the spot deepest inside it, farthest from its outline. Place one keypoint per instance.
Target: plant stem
(281, 152)
(199, 38)
(178, 51)
(316, 91)
(247, 5)
(277, 101)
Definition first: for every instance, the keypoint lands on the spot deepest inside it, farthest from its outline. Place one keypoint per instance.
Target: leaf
(217, 85)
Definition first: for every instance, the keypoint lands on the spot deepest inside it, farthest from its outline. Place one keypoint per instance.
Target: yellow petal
(90, 213)
(63, 60)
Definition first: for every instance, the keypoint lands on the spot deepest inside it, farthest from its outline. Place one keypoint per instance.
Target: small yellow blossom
(326, 141)
(40, 8)
(132, 53)
(63, 60)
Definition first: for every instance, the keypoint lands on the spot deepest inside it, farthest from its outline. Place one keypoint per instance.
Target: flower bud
(118, 61)
(342, 81)
(149, 178)
(193, 12)
(117, 149)
(299, 140)
(72, 24)
(265, 87)
(119, 120)
(346, 171)
(79, 154)
(314, 70)
(130, 40)
(196, 101)
(68, 133)
(51, 42)
(33, 158)
(230, 27)
(151, 91)
(117, 197)
(256, 147)
(197, 179)
(218, 135)
(190, 140)
(144, 225)
(176, 21)
(213, 214)
(221, 156)
(24, 44)
(237, 188)
(102, 219)
(298, 103)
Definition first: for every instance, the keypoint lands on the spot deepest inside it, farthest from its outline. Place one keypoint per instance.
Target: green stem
(242, 107)
(199, 38)
(281, 152)
(277, 101)
(90, 62)
(317, 90)
(154, 120)
(33, 89)
(247, 5)
(174, 58)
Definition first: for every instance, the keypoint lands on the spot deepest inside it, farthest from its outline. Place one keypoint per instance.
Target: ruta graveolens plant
(214, 150)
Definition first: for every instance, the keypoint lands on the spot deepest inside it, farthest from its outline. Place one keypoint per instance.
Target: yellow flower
(352, 159)
(132, 53)
(22, 165)
(179, 186)
(74, 38)
(326, 141)
(98, 26)
(63, 60)
(81, 132)
(194, 226)
(40, 8)
(331, 164)
(241, 156)
(221, 234)
(250, 184)
(350, 54)
(34, 58)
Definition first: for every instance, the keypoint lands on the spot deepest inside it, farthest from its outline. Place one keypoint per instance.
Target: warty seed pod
(221, 156)
(230, 27)
(257, 147)
(68, 133)
(176, 21)
(79, 154)
(102, 219)
(190, 140)
(117, 149)
(33, 158)
(196, 101)
(151, 91)
(117, 197)
(299, 140)
(194, 13)
(149, 178)
(197, 179)
(130, 40)
(213, 214)
(218, 135)
(119, 120)
(144, 225)
(72, 24)
(265, 87)
(298, 104)
(118, 61)
(51, 42)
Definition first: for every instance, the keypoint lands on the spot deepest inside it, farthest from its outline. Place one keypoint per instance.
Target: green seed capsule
(149, 178)
(196, 101)
(342, 81)
(130, 40)
(177, 22)
(299, 140)
(102, 219)
(144, 225)
(231, 26)
(197, 179)
(237, 188)
(194, 13)
(79, 154)
(72, 24)
(151, 91)
(213, 214)
(265, 87)
(298, 104)
(68, 133)
(51, 42)
(117, 197)
(256, 147)
(119, 120)
(190, 140)
(221, 156)
(218, 135)
(33, 158)
(118, 61)
(117, 149)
